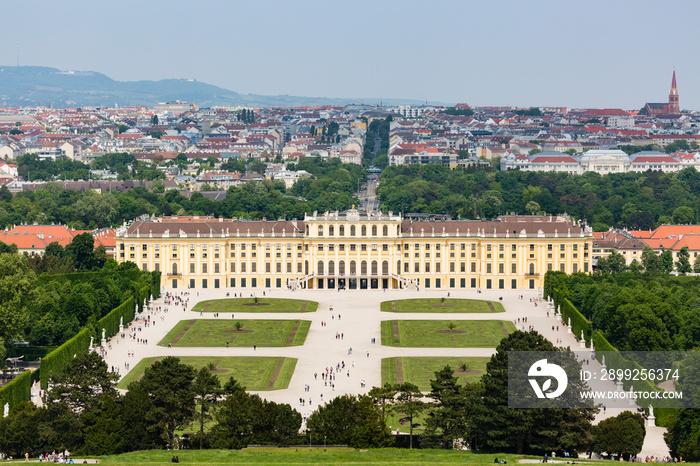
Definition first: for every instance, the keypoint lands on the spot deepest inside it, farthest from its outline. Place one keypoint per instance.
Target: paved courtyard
(356, 314)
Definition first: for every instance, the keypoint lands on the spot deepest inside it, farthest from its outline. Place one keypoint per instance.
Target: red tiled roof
(655, 158)
(554, 159)
(24, 241)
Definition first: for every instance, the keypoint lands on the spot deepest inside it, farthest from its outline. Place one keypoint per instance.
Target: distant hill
(38, 85)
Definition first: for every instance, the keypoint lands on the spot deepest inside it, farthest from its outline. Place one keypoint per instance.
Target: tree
(650, 260)
(256, 166)
(383, 396)
(82, 250)
(154, 120)
(54, 249)
(16, 294)
(614, 263)
(234, 420)
(532, 208)
(684, 215)
(666, 262)
(350, 420)
(449, 417)
(683, 262)
(139, 432)
(168, 383)
(536, 430)
(82, 382)
(207, 388)
(622, 435)
(696, 265)
(635, 266)
(410, 404)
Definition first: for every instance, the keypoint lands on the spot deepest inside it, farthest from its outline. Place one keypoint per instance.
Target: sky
(617, 54)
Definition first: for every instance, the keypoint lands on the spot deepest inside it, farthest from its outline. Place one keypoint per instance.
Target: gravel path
(356, 314)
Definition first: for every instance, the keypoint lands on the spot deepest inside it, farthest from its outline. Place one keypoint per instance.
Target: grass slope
(254, 373)
(234, 305)
(304, 455)
(216, 332)
(435, 333)
(433, 305)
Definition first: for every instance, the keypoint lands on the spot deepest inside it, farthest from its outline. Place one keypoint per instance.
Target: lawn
(420, 371)
(234, 305)
(217, 332)
(446, 305)
(436, 333)
(254, 373)
(317, 455)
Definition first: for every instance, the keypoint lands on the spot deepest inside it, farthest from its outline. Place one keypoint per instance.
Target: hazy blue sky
(566, 53)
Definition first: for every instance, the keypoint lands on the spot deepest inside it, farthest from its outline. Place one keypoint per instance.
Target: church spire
(673, 82)
(673, 105)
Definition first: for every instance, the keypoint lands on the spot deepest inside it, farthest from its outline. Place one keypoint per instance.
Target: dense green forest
(632, 200)
(45, 300)
(332, 188)
(637, 311)
(648, 311)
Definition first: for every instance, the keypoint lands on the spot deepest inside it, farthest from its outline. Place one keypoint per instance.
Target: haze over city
(597, 54)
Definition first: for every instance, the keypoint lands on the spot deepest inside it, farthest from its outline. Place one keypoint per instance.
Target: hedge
(615, 360)
(155, 284)
(142, 296)
(578, 321)
(58, 358)
(30, 353)
(85, 276)
(552, 281)
(110, 322)
(17, 391)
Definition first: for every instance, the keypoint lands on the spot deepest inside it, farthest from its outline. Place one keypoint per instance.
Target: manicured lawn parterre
(420, 371)
(234, 305)
(436, 333)
(446, 305)
(217, 332)
(317, 455)
(254, 373)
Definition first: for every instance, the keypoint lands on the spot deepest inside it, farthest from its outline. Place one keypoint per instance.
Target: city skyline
(552, 55)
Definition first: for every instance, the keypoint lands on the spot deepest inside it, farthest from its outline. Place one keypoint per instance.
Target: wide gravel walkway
(356, 314)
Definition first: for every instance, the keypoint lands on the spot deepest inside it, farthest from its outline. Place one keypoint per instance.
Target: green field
(304, 455)
(436, 334)
(446, 305)
(235, 305)
(420, 371)
(217, 332)
(253, 373)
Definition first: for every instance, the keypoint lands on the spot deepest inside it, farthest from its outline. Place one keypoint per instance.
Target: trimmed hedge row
(30, 353)
(552, 281)
(110, 322)
(17, 391)
(58, 358)
(142, 297)
(579, 322)
(615, 360)
(155, 284)
(85, 276)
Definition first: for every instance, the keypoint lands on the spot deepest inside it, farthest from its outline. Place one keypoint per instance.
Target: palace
(354, 250)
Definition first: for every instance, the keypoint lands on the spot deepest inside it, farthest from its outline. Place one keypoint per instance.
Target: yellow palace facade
(354, 250)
